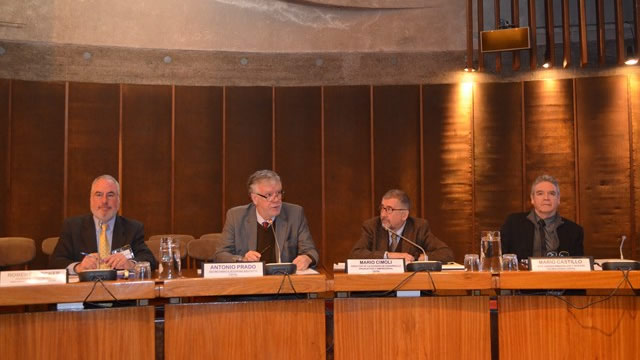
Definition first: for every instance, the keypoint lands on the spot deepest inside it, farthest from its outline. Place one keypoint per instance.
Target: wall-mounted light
(547, 60)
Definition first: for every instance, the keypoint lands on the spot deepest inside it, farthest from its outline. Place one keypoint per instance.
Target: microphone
(279, 267)
(619, 264)
(424, 265)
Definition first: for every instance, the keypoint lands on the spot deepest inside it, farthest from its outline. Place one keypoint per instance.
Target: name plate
(238, 269)
(375, 266)
(33, 277)
(561, 263)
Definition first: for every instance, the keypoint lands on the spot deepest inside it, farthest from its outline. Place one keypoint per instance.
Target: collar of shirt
(261, 219)
(398, 232)
(111, 224)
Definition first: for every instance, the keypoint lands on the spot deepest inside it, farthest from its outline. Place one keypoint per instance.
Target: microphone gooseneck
(623, 238)
(409, 241)
(275, 238)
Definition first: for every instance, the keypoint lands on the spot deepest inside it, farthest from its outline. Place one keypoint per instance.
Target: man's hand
(90, 262)
(302, 262)
(398, 255)
(119, 261)
(251, 256)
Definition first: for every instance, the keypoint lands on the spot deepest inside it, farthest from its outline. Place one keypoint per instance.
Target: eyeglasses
(272, 196)
(389, 209)
(99, 195)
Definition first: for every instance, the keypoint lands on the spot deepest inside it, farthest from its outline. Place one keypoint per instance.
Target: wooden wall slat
(298, 151)
(5, 153)
(396, 142)
(37, 158)
(634, 99)
(498, 153)
(550, 33)
(603, 162)
(448, 180)
(248, 139)
(198, 160)
(347, 167)
(600, 30)
(566, 35)
(94, 123)
(515, 20)
(582, 24)
(533, 52)
(620, 48)
(146, 156)
(480, 18)
(549, 139)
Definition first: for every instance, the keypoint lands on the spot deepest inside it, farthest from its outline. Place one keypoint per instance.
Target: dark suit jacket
(517, 234)
(79, 235)
(240, 234)
(374, 241)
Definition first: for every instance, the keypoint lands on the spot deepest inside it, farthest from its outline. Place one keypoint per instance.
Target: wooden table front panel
(284, 329)
(122, 333)
(544, 327)
(451, 327)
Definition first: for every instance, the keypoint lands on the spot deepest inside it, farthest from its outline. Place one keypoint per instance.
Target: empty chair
(49, 244)
(204, 248)
(16, 251)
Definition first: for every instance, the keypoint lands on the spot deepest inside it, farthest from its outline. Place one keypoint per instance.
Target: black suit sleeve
(141, 251)
(65, 251)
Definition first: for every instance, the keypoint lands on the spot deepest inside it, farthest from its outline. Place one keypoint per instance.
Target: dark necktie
(543, 237)
(265, 224)
(394, 241)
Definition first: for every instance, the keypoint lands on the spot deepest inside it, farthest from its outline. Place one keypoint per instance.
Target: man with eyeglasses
(542, 231)
(377, 243)
(87, 241)
(267, 229)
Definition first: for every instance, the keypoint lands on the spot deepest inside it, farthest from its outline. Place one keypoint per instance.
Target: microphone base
(621, 264)
(280, 268)
(93, 275)
(424, 266)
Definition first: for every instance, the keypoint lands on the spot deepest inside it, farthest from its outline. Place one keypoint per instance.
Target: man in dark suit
(87, 241)
(267, 229)
(542, 230)
(376, 242)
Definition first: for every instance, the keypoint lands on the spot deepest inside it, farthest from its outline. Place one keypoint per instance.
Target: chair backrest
(16, 251)
(205, 247)
(49, 244)
(154, 244)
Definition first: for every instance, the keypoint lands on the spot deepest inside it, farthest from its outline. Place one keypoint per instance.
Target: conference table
(251, 323)
(604, 323)
(450, 314)
(111, 333)
(452, 323)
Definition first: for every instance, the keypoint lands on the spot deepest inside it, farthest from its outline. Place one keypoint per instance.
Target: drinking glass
(166, 258)
(471, 262)
(177, 259)
(509, 262)
(142, 270)
(490, 251)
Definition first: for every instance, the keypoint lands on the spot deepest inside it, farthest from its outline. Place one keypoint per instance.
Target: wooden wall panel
(93, 140)
(396, 142)
(347, 129)
(497, 153)
(603, 162)
(198, 160)
(146, 156)
(549, 139)
(37, 162)
(5, 86)
(634, 99)
(248, 139)
(298, 151)
(448, 180)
